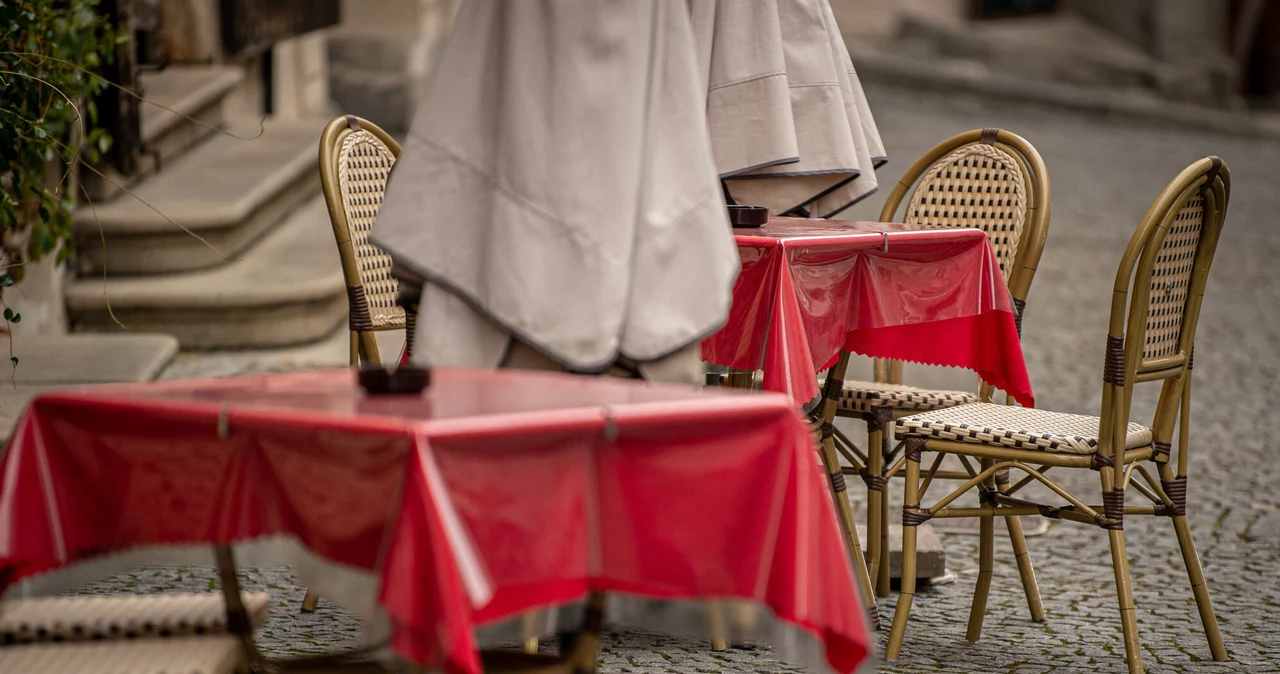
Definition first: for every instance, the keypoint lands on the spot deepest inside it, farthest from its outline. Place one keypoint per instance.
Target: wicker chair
(1159, 289)
(355, 162)
(988, 179)
(185, 632)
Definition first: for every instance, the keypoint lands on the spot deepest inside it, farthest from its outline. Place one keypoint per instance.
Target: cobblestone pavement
(1104, 175)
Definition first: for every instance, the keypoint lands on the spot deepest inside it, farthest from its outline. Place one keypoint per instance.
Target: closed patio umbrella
(557, 193)
(790, 126)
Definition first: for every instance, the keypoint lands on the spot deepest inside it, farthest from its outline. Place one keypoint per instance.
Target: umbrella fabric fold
(557, 188)
(790, 126)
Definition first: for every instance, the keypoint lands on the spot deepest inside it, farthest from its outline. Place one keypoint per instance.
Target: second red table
(810, 288)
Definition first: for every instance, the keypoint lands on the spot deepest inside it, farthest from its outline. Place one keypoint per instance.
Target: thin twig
(103, 236)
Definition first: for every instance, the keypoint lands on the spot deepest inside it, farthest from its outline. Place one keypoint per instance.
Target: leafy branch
(50, 52)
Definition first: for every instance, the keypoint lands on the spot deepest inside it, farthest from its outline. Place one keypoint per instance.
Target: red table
(810, 288)
(493, 494)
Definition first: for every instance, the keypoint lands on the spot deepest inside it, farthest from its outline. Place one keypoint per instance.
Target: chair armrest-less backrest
(1157, 297)
(356, 158)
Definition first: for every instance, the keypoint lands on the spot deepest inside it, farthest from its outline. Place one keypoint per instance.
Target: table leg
(238, 624)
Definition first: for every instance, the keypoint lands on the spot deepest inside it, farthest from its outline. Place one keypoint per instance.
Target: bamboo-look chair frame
(352, 209)
(1130, 359)
(1019, 272)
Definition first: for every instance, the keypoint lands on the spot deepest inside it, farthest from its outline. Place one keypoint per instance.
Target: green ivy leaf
(8, 314)
(17, 318)
(11, 218)
(6, 281)
(14, 360)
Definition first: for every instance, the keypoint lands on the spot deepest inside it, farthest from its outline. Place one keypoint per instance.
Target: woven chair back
(1156, 302)
(356, 161)
(979, 186)
(1162, 276)
(1170, 284)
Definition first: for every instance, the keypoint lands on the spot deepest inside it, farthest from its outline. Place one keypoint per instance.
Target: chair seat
(860, 396)
(83, 618)
(1016, 427)
(184, 655)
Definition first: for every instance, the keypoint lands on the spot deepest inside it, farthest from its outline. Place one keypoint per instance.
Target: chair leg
(845, 513)
(986, 566)
(1124, 588)
(910, 517)
(1022, 555)
(1120, 564)
(878, 440)
(875, 513)
(882, 581)
(1199, 587)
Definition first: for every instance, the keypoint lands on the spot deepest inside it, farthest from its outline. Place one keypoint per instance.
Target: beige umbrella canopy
(557, 189)
(790, 126)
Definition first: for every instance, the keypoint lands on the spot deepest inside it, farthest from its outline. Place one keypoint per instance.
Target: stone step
(226, 190)
(49, 362)
(286, 290)
(194, 91)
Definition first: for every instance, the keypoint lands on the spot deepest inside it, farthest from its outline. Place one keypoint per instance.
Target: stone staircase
(263, 271)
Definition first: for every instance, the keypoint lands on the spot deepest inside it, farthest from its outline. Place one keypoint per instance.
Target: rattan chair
(185, 632)
(355, 162)
(987, 179)
(1159, 289)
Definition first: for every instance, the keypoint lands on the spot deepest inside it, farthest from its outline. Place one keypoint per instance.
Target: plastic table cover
(810, 288)
(493, 494)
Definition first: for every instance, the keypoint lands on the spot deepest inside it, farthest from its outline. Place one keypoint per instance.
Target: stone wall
(1189, 38)
(382, 55)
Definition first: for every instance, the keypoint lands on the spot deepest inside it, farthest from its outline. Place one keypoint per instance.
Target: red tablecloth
(809, 288)
(493, 494)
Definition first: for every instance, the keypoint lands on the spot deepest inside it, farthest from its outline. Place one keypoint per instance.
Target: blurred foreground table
(432, 516)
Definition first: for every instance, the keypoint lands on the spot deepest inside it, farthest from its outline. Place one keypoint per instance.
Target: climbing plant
(48, 123)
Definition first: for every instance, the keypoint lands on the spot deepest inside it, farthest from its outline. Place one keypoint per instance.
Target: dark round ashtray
(748, 216)
(405, 380)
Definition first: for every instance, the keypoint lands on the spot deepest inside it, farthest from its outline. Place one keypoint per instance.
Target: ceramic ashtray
(405, 380)
(748, 216)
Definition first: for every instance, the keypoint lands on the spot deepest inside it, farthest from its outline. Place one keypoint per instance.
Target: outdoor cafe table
(494, 494)
(810, 288)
